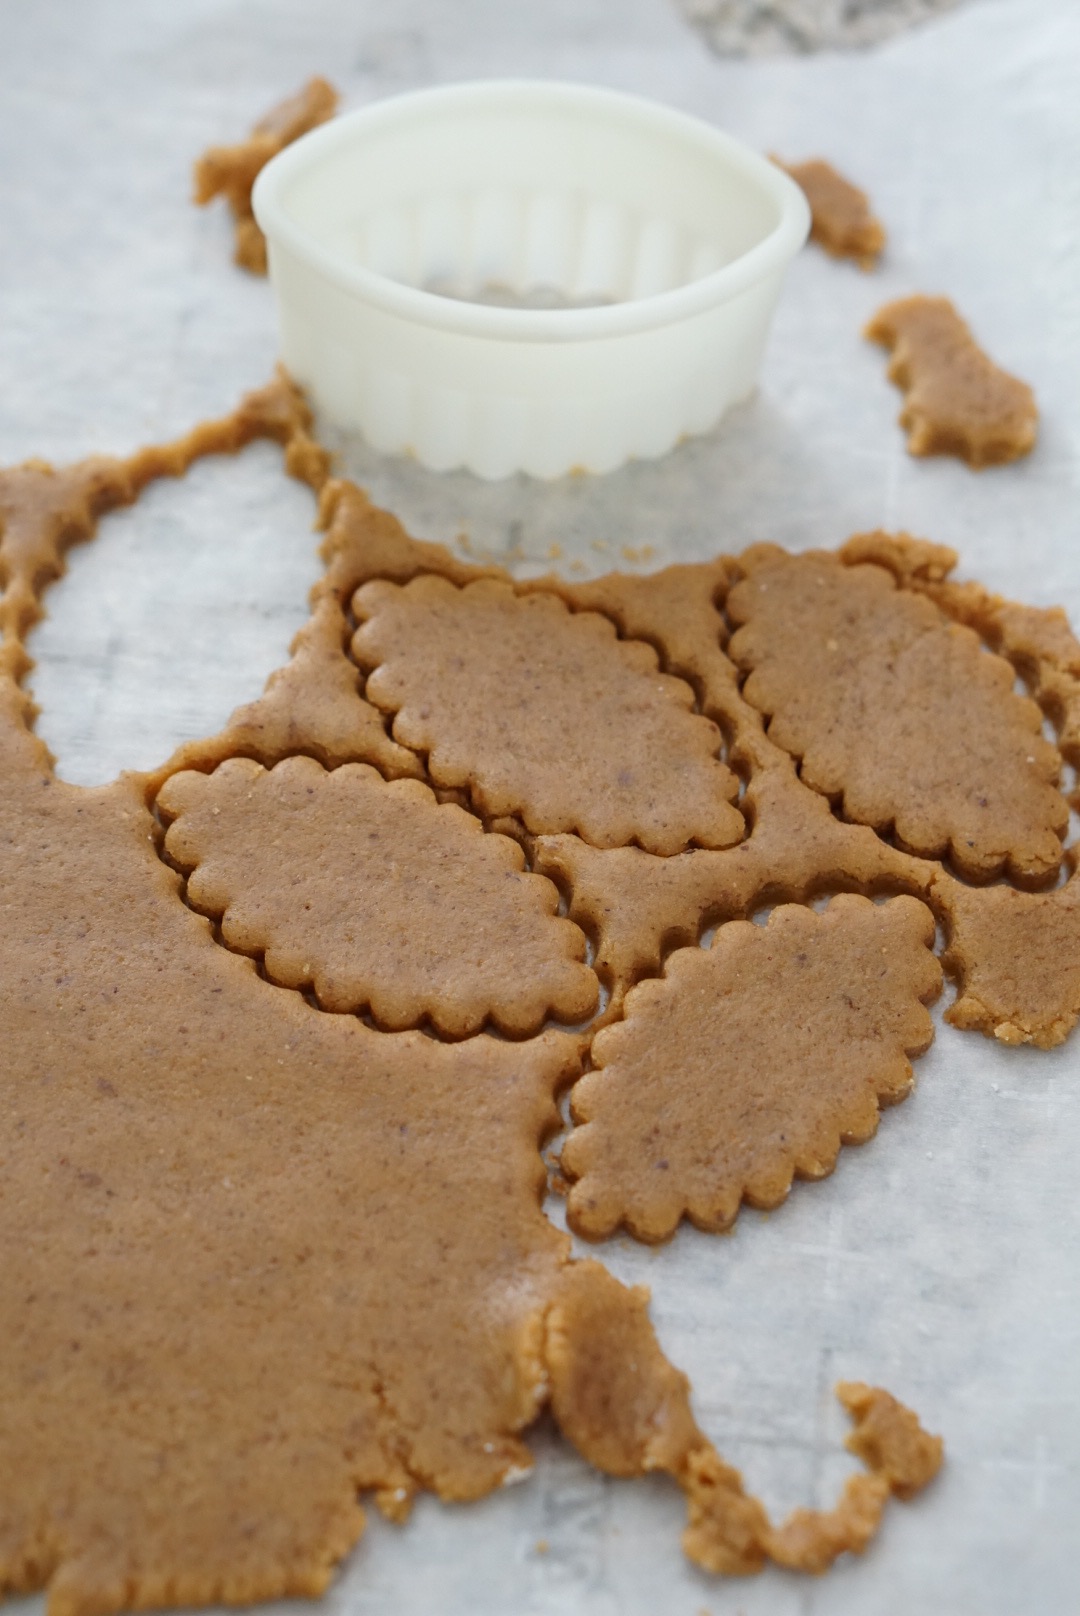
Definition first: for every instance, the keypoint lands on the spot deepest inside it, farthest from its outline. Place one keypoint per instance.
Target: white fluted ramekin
(393, 230)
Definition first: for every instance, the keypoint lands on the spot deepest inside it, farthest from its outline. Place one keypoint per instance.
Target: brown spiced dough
(248, 1268)
(376, 896)
(1016, 958)
(545, 714)
(1037, 640)
(957, 401)
(624, 1406)
(258, 1258)
(312, 705)
(905, 1458)
(637, 907)
(704, 1096)
(840, 217)
(889, 1439)
(900, 715)
(45, 511)
(231, 171)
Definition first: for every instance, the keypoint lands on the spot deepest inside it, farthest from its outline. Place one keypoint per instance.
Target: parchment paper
(942, 1259)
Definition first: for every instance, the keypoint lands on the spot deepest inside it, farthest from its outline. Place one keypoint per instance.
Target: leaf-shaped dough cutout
(901, 714)
(544, 713)
(377, 896)
(749, 1063)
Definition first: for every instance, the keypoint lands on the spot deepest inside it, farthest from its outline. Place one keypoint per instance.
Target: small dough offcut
(376, 896)
(749, 1063)
(841, 219)
(231, 171)
(957, 401)
(899, 715)
(545, 714)
(1016, 956)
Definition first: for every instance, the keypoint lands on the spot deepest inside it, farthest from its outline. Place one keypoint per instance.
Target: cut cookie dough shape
(231, 171)
(749, 1063)
(45, 510)
(899, 714)
(377, 896)
(1037, 640)
(543, 713)
(841, 220)
(957, 401)
(1016, 956)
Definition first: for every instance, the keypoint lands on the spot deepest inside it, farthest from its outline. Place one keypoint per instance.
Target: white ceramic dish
(660, 241)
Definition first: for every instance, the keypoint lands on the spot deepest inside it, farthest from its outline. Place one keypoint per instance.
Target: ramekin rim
(463, 318)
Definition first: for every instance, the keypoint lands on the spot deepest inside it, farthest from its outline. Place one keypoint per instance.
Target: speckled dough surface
(376, 896)
(956, 399)
(261, 1259)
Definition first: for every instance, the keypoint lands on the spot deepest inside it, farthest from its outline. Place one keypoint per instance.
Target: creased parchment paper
(943, 1258)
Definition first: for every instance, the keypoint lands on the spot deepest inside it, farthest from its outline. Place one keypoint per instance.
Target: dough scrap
(957, 401)
(704, 1096)
(44, 511)
(376, 896)
(840, 214)
(544, 714)
(231, 171)
(900, 714)
(1016, 957)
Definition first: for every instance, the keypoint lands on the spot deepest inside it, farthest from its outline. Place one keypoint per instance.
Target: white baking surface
(941, 1260)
